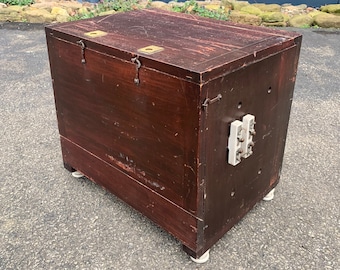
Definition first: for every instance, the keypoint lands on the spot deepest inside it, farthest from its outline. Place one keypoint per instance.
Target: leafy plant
(193, 7)
(107, 5)
(17, 2)
(82, 16)
(117, 5)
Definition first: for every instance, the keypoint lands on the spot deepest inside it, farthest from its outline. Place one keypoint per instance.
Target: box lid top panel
(183, 45)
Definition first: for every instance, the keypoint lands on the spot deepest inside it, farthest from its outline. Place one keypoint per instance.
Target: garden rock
(237, 5)
(159, 4)
(62, 18)
(83, 11)
(71, 5)
(327, 20)
(250, 9)
(314, 13)
(303, 20)
(213, 6)
(268, 8)
(38, 16)
(11, 9)
(11, 15)
(294, 10)
(59, 11)
(2, 5)
(271, 17)
(244, 18)
(331, 8)
(44, 5)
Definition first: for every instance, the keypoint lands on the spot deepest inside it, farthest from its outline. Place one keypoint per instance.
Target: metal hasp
(138, 65)
(82, 46)
(240, 142)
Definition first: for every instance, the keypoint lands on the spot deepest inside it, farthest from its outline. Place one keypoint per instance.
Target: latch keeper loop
(138, 66)
(82, 46)
(208, 101)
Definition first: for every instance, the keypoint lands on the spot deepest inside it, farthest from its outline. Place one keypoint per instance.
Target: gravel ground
(50, 220)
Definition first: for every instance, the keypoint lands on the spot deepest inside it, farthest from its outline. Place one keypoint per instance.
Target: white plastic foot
(269, 196)
(77, 174)
(203, 259)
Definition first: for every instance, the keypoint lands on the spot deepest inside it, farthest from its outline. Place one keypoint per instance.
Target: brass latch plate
(150, 49)
(96, 33)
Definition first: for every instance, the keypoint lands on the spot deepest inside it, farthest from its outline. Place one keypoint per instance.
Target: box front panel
(148, 131)
(264, 90)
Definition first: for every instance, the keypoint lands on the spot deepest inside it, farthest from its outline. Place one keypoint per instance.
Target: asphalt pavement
(50, 220)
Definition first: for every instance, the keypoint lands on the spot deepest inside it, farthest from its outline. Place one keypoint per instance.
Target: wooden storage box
(148, 103)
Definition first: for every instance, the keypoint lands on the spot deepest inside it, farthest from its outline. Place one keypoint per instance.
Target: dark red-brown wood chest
(145, 103)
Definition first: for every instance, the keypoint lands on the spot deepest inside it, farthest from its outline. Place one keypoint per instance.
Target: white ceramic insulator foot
(77, 174)
(269, 196)
(203, 259)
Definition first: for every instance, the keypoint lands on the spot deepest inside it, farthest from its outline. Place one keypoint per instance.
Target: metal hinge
(209, 101)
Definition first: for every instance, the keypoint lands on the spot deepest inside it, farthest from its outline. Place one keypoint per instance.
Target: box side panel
(148, 131)
(265, 90)
(163, 212)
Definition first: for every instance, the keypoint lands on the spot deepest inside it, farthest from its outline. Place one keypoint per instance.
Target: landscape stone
(159, 4)
(250, 9)
(44, 5)
(268, 8)
(59, 11)
(327, 20)
(335, 8)
(237, 5)
(4, 11)
(11, 17)
(271, 17)
(38, 16)
(294, 10)
(301, 7)
(83, 11)
(11, 14)
(303, 20)
(2, 5)
(244, 18)
(71, 4)
(228, 5)
(62, 18)
(213, 7)
(10, 9)
(181, 4)
(314, 13)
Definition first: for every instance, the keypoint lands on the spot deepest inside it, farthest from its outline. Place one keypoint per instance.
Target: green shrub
(17, 2)
(107, 5)
(192, 7)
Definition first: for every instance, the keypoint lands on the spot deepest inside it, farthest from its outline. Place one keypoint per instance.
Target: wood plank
(177, 221)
